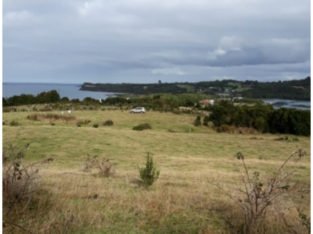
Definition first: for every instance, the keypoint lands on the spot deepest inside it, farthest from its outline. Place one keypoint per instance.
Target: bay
(65, 90)
(286, 103)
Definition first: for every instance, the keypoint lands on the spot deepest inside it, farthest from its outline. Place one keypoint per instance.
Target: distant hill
(293, 89)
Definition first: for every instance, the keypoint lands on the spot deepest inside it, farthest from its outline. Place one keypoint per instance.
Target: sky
(143, 41)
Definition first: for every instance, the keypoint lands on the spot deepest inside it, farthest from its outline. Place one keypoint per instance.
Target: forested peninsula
(292, 89)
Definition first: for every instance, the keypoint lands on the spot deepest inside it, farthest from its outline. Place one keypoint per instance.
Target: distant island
(292, 89)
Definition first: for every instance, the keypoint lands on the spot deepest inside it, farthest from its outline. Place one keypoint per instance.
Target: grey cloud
(117, 40)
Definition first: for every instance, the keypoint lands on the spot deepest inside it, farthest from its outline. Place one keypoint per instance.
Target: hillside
(197, 165)
(294, 89)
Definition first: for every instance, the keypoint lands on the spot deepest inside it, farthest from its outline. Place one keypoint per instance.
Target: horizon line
(162, 82)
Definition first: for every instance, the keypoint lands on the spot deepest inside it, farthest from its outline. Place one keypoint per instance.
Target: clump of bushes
(259, 200)
(50, 116)
(197, 121)
(33, 117)
(171, 130)
(82, 122)
(141, 127)
(149, 174)
(9, 109)
(104, 166)
(21, 188)
(287, 138)
(263, 118)
(206, 120)
(233, 129)
(14, 123)
(108, 123)
(95, 125)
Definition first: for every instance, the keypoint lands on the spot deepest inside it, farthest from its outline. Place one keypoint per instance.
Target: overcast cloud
(72, 41)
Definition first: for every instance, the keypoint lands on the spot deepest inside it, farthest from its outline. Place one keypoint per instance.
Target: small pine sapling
(149, 174)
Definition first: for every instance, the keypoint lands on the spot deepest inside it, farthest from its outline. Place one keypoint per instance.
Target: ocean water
(284, 103)
(65, 90)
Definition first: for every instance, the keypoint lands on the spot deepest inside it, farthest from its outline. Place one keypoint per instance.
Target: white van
(141, 110)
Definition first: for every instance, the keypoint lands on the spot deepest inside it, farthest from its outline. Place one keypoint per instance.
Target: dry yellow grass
(183, 200)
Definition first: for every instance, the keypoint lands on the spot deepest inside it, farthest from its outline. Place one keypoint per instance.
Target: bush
(197, 121)
(104, 166)
(149, 174)
(18, 181)
(82, 122)
(14, 123)
(206, 120)
(235, 130)
(260, 196)
(95, 125)
(141, 127)
(21, 188)
(34, 117)
(287, 138)
(108, 123)
(55, 117)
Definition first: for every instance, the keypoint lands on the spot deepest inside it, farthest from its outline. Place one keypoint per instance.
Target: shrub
(225, 128)
(108, 123)
(14, 123)
(149, 174)
(287, 138)
(95, 125)
(33, 117)
(206, 120)
(37, 117)
(82, 122)
(141, 127)
(104, 166)
(197, 121)
(259, 196)
(234, 129)
(18, 180)
(21, 188)
(171, 130)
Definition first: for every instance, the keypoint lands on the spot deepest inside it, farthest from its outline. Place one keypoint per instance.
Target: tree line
(162, 102)
(263, 118)
(290, 89)
(27, 99)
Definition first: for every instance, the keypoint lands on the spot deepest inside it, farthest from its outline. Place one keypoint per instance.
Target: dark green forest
(27, 99)
(262, 118)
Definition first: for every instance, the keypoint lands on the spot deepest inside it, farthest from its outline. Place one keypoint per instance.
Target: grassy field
(192, 162)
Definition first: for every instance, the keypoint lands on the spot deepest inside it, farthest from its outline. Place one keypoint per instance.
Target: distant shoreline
(71, 91)
(292, 89)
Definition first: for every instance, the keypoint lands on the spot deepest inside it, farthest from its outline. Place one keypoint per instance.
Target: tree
(149, 174)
